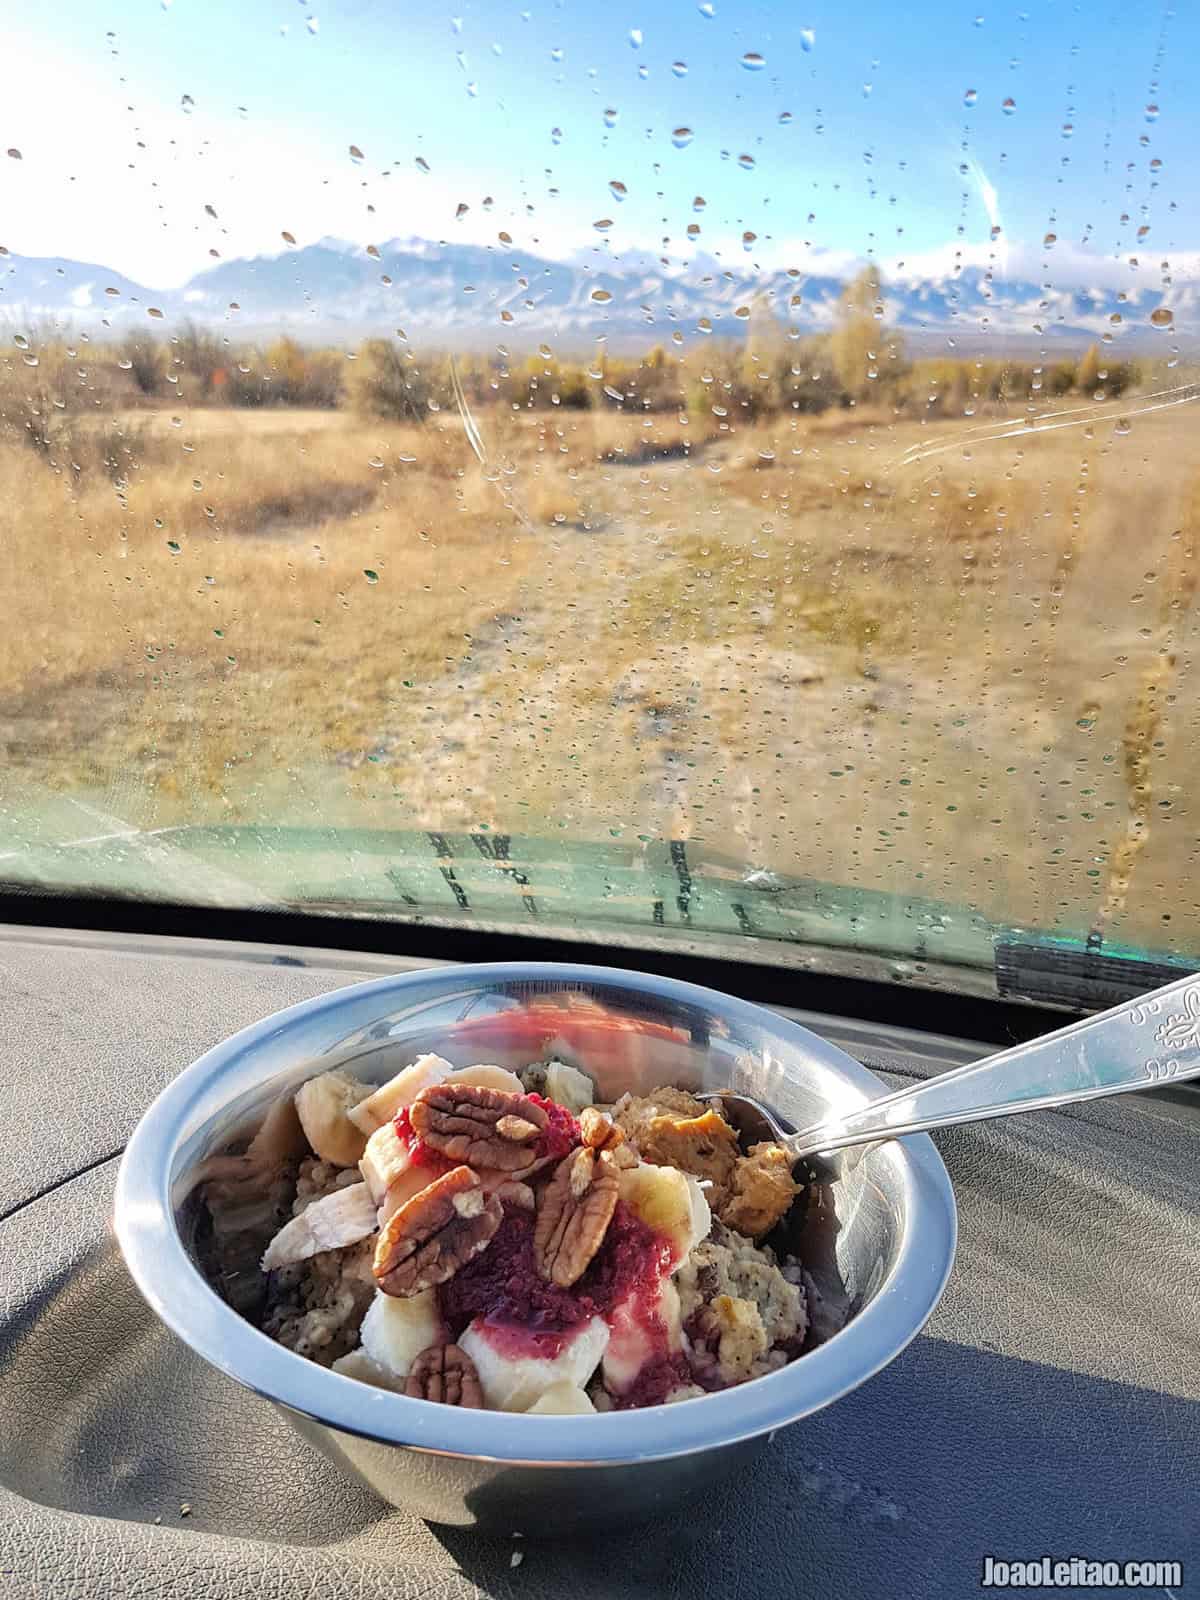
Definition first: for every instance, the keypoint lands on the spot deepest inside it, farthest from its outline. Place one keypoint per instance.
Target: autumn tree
(203, 358)
(1087, 373)
(858, 343)
(386, 383)
(142, 357)
(764, 365)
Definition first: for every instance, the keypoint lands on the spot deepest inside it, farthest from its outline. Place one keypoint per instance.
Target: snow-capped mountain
(467, 295)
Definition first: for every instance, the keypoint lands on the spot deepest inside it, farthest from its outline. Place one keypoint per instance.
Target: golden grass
(825, 645)
(220, 595)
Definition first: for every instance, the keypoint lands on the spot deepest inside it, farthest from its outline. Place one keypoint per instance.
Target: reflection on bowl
(884, 1229)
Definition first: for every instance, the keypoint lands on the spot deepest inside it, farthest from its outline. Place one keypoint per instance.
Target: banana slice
(402, 1189)
(330, 1223)
(358, 1364)
(402, 1090)
(513, 1382)
(668, 1201)
(384, 1160)
(569, 1087)
(561, 1400)
(487, 1077)
(641, 1333)
(323, 1105)
(394, 1332)
(280, 1138)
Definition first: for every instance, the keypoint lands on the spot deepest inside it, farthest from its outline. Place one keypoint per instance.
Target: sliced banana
(638, 1338)
(487, 1077)
(402, 1189)
(562, 1400)
(384, 1160)
(668, 1201)
(394, 1332)
(330, 1223)
(402, 1090)
(280, 1138)
(569, 1087)
(358, 1364)
(514, 1383)
(323, 1105)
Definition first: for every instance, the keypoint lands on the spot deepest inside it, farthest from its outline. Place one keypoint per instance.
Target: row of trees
(858, 361)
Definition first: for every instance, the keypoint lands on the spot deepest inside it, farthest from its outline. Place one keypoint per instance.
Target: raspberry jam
(420, 1154)
(503, 1288)
(655, 1381)
(561, 1133)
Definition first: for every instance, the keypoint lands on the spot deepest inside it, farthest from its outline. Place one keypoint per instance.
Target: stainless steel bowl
(893, 1240)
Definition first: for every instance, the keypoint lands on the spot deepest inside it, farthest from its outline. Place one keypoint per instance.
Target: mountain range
(464, 295)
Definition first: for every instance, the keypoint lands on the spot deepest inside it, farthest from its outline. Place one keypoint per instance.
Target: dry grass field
(934, 657)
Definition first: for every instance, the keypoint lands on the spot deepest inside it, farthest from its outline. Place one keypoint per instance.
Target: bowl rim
(181, 1297)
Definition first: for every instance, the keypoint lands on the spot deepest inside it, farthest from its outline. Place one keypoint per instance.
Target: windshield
(714, 471)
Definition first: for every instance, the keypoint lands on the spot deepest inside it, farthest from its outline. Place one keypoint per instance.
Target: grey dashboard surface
(1052, 1407)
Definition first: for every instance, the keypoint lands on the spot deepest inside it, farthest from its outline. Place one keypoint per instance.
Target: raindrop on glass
(1162, 317)
(753, 61)
(1008, 106)
(808, 40)
(1151, 113)
(681, 137)
(679, 68)
(610, 117)
(970, 98)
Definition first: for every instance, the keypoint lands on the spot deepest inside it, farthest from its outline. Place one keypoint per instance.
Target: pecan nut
(436, 1232)
(447, 1374)
(493, 1130)
(598, 1130)
(573, 1214)
(516, 1194)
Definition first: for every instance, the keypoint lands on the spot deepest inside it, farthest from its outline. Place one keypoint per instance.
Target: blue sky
(117, 167)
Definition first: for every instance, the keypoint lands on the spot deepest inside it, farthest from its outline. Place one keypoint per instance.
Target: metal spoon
(1140, 1045)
